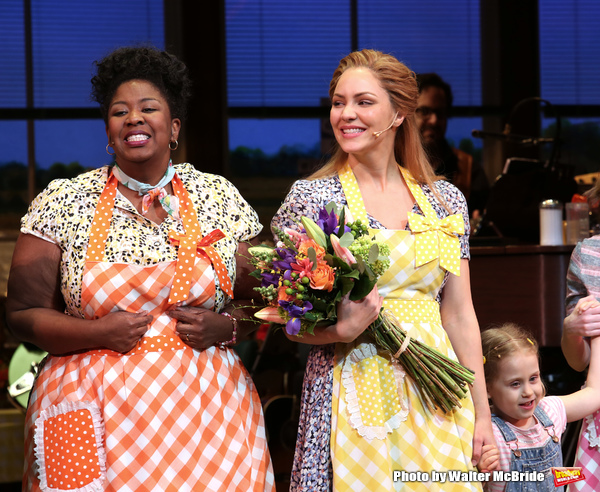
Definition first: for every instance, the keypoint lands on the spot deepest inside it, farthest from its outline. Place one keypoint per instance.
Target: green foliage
(378, 258)
(246, 161)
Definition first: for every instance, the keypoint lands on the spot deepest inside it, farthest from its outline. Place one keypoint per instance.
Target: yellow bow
(435, 238)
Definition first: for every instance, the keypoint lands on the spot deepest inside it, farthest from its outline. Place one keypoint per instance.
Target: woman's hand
(490, 458)
(201, 328)
(121, 331)
(354, 317)
(483, 438)
(584, 321)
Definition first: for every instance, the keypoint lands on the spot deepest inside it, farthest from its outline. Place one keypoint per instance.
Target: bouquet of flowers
(307, 273)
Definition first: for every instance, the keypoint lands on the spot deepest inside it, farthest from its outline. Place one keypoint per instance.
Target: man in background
(433, 108)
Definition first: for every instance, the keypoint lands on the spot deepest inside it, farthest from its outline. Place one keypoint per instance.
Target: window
(569, 48)
(280, 58)
(66, 37)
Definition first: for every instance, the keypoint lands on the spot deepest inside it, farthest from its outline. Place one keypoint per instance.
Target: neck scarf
(150, 192)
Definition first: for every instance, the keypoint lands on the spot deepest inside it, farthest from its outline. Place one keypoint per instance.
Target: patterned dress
(163, 416)
(313, 468)
(583, 279)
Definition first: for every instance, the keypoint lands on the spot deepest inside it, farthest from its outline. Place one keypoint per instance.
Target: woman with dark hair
(125, 276)
(362, 420)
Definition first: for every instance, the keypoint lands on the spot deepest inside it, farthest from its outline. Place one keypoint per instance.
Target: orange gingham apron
(379, 423)
(161, 417)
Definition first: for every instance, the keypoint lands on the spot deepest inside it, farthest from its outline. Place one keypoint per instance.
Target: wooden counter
(525, 284)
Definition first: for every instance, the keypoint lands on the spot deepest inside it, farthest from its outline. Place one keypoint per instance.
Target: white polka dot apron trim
(434, 238)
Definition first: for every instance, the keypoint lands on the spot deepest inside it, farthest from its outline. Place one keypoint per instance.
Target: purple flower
(327, 221)
(293, 326)
(269, 278)
(295, 312)
(287, 258)
(346, 229)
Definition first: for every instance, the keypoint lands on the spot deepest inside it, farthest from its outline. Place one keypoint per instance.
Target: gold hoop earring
(176, 145)
(109, 153)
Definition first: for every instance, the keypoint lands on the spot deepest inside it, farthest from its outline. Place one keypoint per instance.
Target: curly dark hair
(163, 70)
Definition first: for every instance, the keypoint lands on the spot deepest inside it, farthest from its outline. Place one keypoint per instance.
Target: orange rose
(322, 277)
(309, 243)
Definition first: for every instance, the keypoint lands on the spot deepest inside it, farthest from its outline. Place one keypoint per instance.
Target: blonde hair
(504, 341)
(401, 85)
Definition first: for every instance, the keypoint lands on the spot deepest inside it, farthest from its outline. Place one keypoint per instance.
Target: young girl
(527, 424)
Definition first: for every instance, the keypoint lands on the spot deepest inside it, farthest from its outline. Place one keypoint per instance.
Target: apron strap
(102, 217)
(434, 238)
(353, 196)
(192, 243)
(188, 245)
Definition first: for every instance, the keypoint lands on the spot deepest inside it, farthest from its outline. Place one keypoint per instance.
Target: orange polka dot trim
(69, 447)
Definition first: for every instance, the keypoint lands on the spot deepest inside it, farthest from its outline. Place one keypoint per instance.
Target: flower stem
(442, 382)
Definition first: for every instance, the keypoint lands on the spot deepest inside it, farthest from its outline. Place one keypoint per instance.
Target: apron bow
(435, 238)
(188, 246)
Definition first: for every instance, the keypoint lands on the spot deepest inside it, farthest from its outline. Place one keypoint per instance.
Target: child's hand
(584, 321)
(490, 458)
(586, 303)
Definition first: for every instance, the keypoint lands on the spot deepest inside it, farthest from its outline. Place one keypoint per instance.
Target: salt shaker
(551, 223)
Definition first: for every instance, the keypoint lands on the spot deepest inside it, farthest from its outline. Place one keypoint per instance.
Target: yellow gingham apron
(164, 416)
(379, 423)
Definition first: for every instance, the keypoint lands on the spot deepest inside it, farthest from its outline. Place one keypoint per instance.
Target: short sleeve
(583, 275)
(219, 204)
(52, 213)
(305, 199)
(457, 203)
(555, 409)
(243, 219)
(575, 286)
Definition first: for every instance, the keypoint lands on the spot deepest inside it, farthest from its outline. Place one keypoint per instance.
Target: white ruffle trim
(362, 352)
(590, 429)
(97, 485)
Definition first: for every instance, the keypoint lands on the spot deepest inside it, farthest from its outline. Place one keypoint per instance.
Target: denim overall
(540, 459)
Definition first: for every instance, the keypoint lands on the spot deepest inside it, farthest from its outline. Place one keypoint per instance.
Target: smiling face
(140, 128)
(432, 114)
(517, 388)
(360, 107)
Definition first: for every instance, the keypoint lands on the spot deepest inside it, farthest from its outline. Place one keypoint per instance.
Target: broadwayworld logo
(564, 476)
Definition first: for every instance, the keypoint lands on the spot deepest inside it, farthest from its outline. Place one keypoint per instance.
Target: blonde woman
(347, 440)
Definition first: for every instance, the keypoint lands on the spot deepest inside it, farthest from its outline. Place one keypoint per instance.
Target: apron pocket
(69, 447)
(374, 398)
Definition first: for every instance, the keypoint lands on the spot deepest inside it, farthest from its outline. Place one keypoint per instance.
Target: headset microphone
(377, 134)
